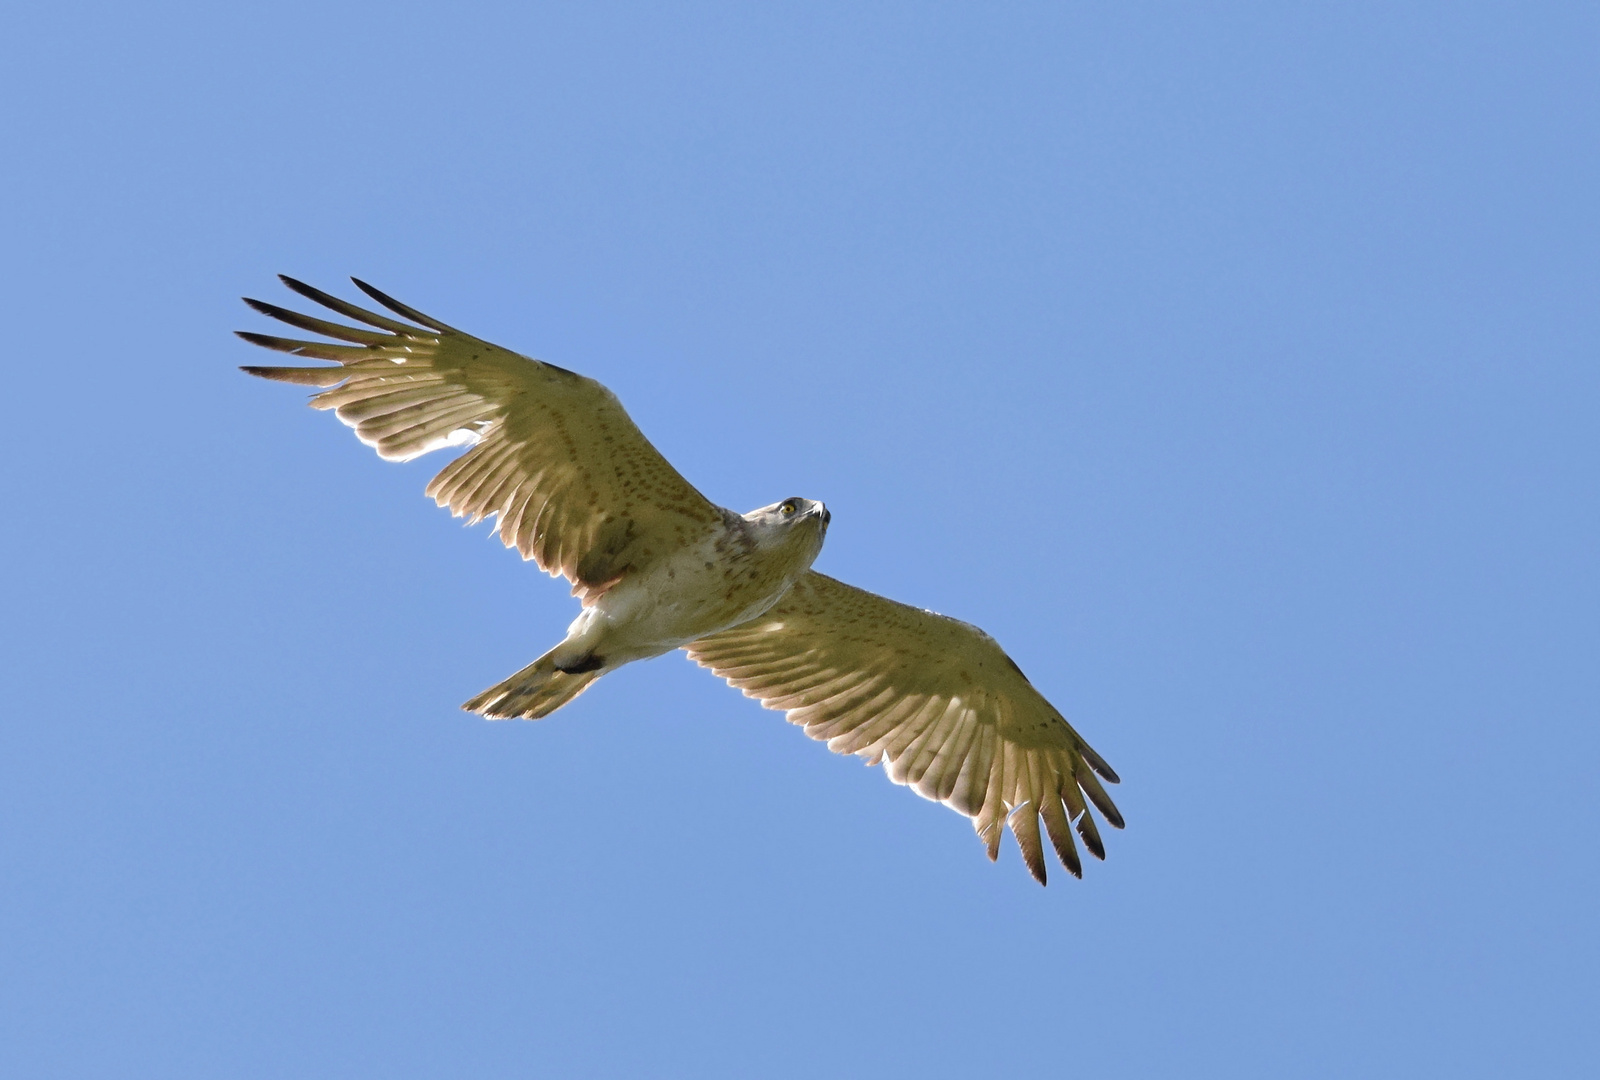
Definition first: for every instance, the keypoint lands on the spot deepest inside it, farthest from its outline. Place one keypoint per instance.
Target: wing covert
(572, 482)
(935, 700)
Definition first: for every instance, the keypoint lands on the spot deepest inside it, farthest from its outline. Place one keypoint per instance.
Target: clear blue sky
(1236, 368)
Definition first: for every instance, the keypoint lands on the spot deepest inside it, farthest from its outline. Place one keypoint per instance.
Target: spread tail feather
(536, 691)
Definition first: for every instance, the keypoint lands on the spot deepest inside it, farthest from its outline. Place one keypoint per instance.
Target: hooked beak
(821, 511)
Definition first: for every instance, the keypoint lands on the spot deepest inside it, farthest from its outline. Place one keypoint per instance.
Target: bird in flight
(572, 484)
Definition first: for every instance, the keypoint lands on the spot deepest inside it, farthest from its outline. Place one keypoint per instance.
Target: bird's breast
(703, 588)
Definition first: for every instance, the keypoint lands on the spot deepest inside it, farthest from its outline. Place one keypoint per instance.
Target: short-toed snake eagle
(572, 484)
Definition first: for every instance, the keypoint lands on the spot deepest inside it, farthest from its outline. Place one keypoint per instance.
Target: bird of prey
(572, 484)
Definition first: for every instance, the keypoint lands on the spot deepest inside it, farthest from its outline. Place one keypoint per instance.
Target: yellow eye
(786, 508)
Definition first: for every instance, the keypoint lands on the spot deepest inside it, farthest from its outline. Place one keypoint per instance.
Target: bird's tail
(536, 691)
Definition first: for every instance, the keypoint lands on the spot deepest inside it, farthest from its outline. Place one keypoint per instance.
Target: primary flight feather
(575, 486)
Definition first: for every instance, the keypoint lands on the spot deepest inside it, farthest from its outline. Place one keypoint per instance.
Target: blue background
(1235, 367)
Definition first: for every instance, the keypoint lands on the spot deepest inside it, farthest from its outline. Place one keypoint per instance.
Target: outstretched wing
(934, 699)
(572, 481)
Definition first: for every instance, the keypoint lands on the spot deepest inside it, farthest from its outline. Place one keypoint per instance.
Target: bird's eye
(786, 509)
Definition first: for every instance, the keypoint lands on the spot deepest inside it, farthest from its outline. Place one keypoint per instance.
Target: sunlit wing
(935, 700)
(571, 481)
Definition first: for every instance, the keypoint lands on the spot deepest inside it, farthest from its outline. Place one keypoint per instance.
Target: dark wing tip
(267, 341)
(310, 292)
(1098, 763)
(345, 308)
(271, 311)
(302, 376)
(1091, 836)
(1060, 830)
(400, 309)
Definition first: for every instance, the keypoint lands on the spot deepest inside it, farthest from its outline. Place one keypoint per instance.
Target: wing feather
(845, 722)
(337, 331)
(312, 350)
(764, 668)
(912, 764)
(934, 700)
(1025, 827)
(966, 796)
(553, 455)
(938, 778)
(785, 682)
(864, 739)
(489, 489)
(402, 310)
(345, 308)
(897, 743)
(831, 697)
(989, 820)
(1091, 835)
(1060, 832)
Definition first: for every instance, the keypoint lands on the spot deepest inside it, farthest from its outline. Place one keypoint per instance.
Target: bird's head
(792, 521)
